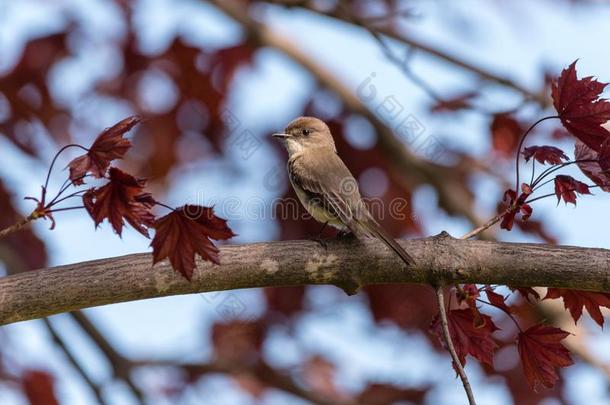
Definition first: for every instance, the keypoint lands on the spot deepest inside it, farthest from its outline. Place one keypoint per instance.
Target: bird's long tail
(374, 229)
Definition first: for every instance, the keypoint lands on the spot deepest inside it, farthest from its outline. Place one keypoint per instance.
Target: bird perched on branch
(325, 185)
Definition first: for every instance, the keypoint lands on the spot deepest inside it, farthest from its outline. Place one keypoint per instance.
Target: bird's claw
(344, 235)
(321, 242)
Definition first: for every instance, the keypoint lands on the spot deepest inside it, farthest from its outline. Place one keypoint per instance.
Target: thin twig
(482, 301)
(17, 226)
(529, 130)
(64, 348)
(402, 64)
(75, 194)
(46, 183)
(485, 226)
(443, 314)
(408, 39)
(554, 168)
(447, 337)
(77, 207)
(264, 373)
(67, 183)
(533, 171)
(404, 67)
(120, 365)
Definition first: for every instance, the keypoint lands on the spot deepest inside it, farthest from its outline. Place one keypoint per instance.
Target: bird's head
(306, 133)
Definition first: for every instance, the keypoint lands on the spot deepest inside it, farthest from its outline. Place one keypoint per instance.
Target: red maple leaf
(467, 337)
(109, 145)
(575, 300)
(505, 134)
(186, 232)
(581, 110)
(566, 187)
(121, 199)
(495, 299)
(603, 158)
(590, 163)
(544, 154)
(542, 353)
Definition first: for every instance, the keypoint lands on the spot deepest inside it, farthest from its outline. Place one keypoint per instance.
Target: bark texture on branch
(347, 264)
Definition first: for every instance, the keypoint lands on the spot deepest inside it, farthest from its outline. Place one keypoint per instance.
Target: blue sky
(516, 37)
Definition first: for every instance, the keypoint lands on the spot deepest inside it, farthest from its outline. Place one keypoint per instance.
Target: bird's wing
(327, 180)
(330, 184)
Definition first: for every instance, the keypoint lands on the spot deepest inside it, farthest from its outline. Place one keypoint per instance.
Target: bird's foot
(320, 241)
(345, 235)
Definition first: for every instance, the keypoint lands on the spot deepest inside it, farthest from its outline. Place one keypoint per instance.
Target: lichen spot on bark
(320, 267)
(270, 266)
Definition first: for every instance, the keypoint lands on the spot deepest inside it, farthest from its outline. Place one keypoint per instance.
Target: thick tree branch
(346, 264)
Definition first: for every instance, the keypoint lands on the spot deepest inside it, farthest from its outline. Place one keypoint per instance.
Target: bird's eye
(306, 131)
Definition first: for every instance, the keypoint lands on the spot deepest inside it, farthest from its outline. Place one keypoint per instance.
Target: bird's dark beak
(280, 136)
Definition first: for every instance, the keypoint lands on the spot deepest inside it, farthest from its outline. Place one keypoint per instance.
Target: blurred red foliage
(202, 78)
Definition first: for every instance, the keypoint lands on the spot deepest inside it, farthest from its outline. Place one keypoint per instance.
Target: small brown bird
(324, 184)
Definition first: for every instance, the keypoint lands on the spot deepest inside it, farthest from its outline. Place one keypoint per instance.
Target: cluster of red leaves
(540, 348)
(582, 112)
(180, 235)
(566, 188)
